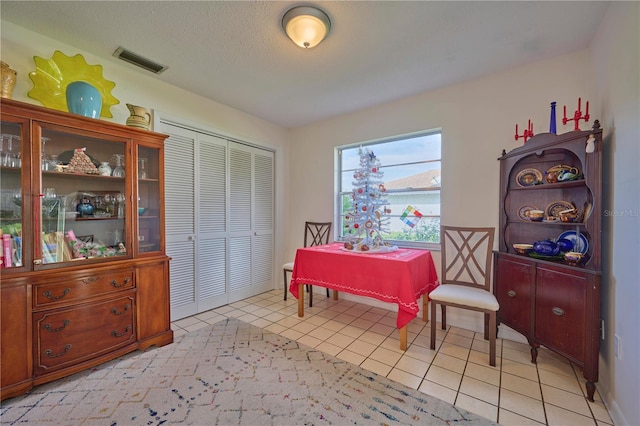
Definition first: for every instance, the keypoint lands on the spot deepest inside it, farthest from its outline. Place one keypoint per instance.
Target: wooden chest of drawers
(69, 335)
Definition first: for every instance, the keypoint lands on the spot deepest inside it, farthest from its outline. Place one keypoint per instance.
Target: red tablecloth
(399, 277)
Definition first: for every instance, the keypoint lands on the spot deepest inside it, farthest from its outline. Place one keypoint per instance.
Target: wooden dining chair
(465, 283)
(315, 234)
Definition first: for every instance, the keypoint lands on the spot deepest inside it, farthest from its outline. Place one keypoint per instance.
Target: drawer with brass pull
(66, 336)
(81, 288)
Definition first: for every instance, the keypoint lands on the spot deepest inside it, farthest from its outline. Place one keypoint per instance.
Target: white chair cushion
(288, 266)
(468, 296)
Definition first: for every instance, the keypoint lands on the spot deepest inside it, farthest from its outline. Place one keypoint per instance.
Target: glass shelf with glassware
(149, 223)
(83, 177)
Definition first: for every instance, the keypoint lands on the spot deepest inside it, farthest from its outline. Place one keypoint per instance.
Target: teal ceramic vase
(84, 99)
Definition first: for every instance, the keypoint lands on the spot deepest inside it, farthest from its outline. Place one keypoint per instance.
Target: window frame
(339, 171)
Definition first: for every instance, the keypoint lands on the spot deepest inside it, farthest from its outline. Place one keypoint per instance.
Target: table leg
(425, 309)
(403, 338)
(335, 294)
(300, 300)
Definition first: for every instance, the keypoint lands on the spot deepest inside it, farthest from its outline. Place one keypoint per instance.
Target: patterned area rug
(230, 373)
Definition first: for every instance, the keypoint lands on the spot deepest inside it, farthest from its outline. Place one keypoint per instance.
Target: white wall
(139, 87)
(616, 67)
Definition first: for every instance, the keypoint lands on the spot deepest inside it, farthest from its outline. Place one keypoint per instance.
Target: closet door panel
(180, 220)
(262, 250)
(240, 226)
(211, 184)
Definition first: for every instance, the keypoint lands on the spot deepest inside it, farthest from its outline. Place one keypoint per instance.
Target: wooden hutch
(85, 276)
(550, 301)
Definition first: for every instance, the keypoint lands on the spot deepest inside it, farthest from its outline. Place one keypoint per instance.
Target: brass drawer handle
(126, 331)
(48, 295)
(89, 280)
(115, 311)
(65, 323)
(511, 293)
(557, 311)
(50, 353)
(115, 284)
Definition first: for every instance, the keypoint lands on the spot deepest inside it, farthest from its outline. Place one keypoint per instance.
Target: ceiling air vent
(135, 59)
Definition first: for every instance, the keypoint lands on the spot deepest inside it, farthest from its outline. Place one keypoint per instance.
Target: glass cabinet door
(12, 196)
(82, 212)
(148, 200)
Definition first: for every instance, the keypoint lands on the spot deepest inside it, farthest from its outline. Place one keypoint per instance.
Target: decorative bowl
(573, 257)
(52, 76)
(564, 244)
(546, 248)
(536, 215)
(569, 216)
(141, 210)
(523, 249)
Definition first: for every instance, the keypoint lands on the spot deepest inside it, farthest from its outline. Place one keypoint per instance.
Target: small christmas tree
(368, 218)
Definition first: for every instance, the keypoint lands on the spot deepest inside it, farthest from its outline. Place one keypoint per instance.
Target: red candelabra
(577, 116)
(528, 132)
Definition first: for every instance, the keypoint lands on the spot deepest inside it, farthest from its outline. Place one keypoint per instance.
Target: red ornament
(364, 208)
(374, 170)
(382, 188)
(355, 225)
(359, 190)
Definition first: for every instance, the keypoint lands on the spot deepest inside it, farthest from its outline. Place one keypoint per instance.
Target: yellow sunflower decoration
(51, 78)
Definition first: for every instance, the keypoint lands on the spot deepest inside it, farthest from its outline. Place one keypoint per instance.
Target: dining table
(395, 275)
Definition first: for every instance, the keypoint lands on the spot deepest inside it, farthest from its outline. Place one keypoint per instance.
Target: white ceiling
(236, 53)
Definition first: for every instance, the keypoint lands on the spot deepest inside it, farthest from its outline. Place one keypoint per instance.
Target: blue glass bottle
(552, 120)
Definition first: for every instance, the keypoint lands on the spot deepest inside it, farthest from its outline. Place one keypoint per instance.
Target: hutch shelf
(550, 301)
(85, 276)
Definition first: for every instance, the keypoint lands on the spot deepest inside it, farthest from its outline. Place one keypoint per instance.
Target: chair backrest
(466, 256)
(316, 233)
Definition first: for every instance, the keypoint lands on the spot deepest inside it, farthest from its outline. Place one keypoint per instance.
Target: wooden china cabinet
(550, 301)
(85, 276)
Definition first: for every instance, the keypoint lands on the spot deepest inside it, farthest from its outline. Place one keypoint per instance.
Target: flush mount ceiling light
(306, 26)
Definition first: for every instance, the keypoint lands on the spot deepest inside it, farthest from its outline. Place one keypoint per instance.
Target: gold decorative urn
(9, 77)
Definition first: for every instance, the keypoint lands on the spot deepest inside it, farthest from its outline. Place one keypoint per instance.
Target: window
(411, 166)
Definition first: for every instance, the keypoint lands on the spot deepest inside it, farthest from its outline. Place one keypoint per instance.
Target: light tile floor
(515, 392)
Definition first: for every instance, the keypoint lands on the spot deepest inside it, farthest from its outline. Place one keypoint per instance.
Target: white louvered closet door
(251, 174)
(219, 220)
(262, 248)
(180, 219)
(196, 192)
(211, 185)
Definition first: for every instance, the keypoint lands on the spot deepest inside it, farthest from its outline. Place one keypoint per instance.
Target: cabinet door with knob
(513, 289)
(561, 311)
